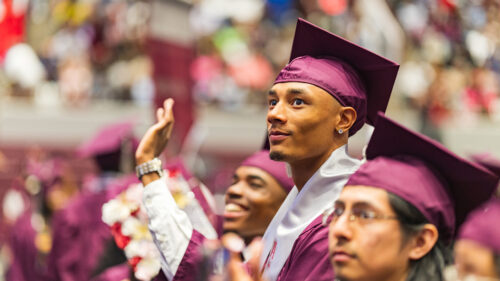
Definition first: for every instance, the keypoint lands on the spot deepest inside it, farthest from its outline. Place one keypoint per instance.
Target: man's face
(301, 121)
(252, 200)
(362, 249)
(472, 258)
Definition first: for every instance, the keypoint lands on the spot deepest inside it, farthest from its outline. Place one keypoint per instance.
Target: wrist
(141, 159)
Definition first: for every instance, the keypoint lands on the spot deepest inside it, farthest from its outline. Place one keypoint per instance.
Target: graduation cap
(440, 184)
(353, 75)
(106, 146)
(482, 226)
(488, 161)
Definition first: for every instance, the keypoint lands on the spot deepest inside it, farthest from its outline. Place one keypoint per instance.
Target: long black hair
(431, 266)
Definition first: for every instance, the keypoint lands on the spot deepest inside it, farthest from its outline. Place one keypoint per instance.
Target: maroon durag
(276, 169)
(482, 226)
(441, 185)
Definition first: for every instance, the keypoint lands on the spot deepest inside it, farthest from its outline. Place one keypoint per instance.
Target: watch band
(151, 166)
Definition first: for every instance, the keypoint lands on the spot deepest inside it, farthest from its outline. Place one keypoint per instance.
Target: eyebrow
(254, 177)
(295, 91)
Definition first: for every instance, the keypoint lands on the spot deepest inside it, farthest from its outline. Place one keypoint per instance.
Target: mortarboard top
(354, 75)
(482, 226)
(488, 161)
(440, 184)
(107, 140)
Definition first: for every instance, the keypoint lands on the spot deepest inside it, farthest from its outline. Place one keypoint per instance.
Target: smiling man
(259, 187)
(330, 88)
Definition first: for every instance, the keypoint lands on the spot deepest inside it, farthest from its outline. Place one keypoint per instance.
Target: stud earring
(340, 131)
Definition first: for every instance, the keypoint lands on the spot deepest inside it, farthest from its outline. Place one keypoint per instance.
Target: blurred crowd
(72, 52)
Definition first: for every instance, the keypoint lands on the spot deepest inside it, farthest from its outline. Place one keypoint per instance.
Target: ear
(347, 116)
(423, 241)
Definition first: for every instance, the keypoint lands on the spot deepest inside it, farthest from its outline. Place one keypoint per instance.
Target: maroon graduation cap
(488, 161)
(107, 139)
(353, 75)
(482, 226)
(441, 185)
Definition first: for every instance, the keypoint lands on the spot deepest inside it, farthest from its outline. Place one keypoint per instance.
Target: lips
(340, 256)
(276, 136)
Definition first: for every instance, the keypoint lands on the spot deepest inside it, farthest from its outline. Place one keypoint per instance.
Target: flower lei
(129, 227)
(126, 216)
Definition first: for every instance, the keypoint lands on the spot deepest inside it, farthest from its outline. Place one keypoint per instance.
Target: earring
(340, 131)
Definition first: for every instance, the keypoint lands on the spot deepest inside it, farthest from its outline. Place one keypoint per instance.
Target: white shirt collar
(300, 208)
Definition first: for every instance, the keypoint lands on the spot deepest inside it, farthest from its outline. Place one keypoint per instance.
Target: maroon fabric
(115, 273)
(79, 234)
(24, 265)
(188, 268)
(177, 164)
(107, 140)
(354, 76)
(277, 170)
(440, 184)
(489, 161)
(309, 260)
(482, 226)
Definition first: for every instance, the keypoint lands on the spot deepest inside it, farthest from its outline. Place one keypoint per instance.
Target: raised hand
(156, 138)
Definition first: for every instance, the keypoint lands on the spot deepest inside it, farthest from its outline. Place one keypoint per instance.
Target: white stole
(300, 208)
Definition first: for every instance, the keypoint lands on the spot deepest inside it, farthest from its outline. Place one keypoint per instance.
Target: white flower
(115, 211)
(147, 269)
(136, 248)
(135, 229)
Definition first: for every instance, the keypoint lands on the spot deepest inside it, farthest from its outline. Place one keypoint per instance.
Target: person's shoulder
(309, 257)
(313, 238)
(314, 228)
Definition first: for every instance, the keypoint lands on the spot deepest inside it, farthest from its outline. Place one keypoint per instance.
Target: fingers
(235, 267)
(255, 250)
(159, 114)
(165, 114)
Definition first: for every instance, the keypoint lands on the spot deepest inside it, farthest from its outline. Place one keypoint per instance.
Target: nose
(340, 229)
(234, 191)
(276, 113)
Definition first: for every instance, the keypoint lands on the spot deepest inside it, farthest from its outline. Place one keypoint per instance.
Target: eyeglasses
(355, 215)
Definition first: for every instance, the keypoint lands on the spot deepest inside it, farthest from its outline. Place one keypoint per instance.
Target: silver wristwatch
(152, 166)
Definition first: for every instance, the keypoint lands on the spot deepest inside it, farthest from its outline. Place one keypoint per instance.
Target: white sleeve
(169, 225)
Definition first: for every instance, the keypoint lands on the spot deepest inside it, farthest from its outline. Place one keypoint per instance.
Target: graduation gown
(24, 265)
(295, 242)
(80, 235)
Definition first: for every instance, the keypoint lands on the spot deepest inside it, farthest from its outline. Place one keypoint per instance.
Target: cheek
(381, 249)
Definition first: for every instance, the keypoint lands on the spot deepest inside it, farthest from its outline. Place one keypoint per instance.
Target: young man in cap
(330, 88)
(259, 187)
(397, 215)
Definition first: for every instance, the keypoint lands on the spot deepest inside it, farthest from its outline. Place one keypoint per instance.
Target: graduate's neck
(303, 170)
